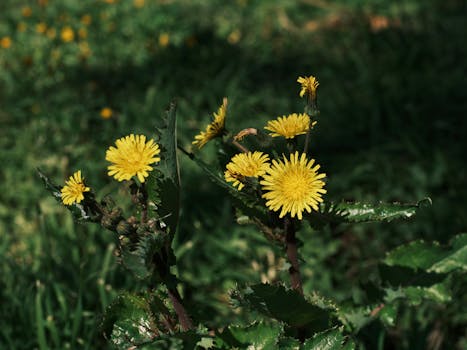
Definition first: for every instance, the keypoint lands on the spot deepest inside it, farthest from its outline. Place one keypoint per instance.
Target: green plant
(276, 198)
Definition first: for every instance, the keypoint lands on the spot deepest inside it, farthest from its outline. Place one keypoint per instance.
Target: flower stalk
(292, 255)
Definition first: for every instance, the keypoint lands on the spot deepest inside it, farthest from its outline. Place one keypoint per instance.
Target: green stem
(183, 318)
(292, 255)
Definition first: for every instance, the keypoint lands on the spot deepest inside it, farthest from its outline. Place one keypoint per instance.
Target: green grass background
(392, 128)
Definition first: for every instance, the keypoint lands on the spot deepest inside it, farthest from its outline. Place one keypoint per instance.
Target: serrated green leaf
(164, 183)
(259, 334)
(127, 321)
(400, 276)
(431, 257)
(285, 305)
(331, 339)
(439, 293)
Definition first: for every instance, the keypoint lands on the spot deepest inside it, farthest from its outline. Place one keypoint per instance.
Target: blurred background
(76, 75)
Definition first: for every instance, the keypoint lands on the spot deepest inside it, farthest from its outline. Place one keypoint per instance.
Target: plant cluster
(276, 186)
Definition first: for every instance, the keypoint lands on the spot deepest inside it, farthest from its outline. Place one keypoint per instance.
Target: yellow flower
(41, 27)
(22, 27)
(164, 39)
(132, 157)
(67, 34)
(246, 165)
(138, 3)
(290, 126)
(51, 33)
(309, 85)
(86, 20)
(106, 113)
(26, 11)
(293, 185)
(85, 50)
(5, 42)
(74, 188)
(82, 33)
(215, 129)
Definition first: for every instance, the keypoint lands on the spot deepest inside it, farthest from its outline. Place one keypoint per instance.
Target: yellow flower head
(74, 188)
(309, 85)
(290, 126)
(26, 11)
(41, 27)
(106, 113)
(5, 42)
(86, 20)
(132, 157)
(215, 129)
(293, 185)
(67, 34)
(246, 165)
(164, 39)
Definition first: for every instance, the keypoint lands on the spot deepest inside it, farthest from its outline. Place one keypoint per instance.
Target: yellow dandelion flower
(309, 85)
(86, 20)
(22, 27)
(138, 3)
(293, 185)
(246, 165)
(215, 129)
(106, 113)
(26, 11)
(74, 188)
(5, 42)
(82, 33)
(51, 33)
(132, 157)
(290, 126)
(41, 27)
(67, 34)
(164, 39)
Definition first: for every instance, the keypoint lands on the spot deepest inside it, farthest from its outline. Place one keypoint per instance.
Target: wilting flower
(215, 128)
(133, 156)
(74, 188)
(290, 126)
(245, 165)
(309, 86)
(293, 185)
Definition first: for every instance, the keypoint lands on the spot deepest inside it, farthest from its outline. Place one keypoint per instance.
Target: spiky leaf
(258, 335)
(331, 339)
(285, 305)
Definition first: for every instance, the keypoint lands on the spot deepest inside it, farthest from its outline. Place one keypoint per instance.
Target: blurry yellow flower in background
(86, 20)
(82, 33)
(215, 128)
(41, 27)
(246, 165)
(67, 34)
(138, 3)
(309, 86)
(21, 27)
(290, 126)
(26, 11)
(5, 42)
(43, 2)
(74, 188)
(234, 37)
(133, 156)
(164, 39)
(293, 185)
(106, 113)
(84, 49)
(51, 33)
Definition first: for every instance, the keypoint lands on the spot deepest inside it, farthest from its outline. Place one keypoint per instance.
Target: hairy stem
(292, 255)
(183, 318)
(239, 146)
